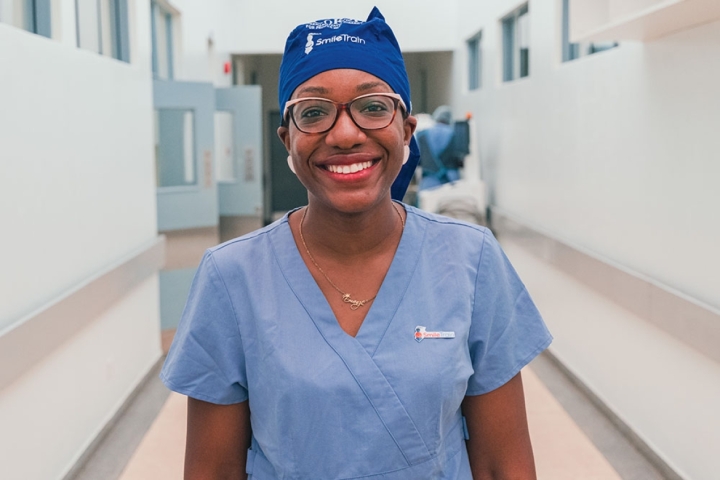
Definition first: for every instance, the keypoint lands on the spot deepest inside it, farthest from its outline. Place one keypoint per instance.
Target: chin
(355, 202)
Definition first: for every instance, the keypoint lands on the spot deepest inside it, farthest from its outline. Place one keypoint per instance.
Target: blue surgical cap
(369, 46)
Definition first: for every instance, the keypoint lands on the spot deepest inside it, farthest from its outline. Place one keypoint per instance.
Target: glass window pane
(224, 146)
(523, 26)
(88, 28)
(601, 47)
(18, 13)
(474, 63)
(570, 51)
(161, 45)
(175, 147)
(508, 28)
(169, 45)
(189, 147)
(28, 16)
(107, 31)
(523, 30)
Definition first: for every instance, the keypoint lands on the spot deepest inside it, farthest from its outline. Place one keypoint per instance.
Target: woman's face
(375, 157)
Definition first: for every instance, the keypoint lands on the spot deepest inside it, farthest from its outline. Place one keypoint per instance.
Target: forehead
(341, 83)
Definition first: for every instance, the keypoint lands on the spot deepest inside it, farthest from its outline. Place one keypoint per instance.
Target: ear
(409, 126)
(284, 134)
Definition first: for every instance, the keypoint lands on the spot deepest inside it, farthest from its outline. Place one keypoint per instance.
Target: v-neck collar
(383, 308)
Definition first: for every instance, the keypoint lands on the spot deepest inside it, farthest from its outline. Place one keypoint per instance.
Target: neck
(352, 234)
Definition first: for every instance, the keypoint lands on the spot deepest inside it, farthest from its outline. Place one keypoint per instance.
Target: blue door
(238, 132)
(187, 197)
(184, 138)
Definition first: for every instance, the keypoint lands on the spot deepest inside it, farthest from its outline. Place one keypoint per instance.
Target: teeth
(345, 169)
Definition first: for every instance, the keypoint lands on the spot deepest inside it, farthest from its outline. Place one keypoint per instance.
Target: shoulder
(449, 226)
(246, 248)
(456, 237)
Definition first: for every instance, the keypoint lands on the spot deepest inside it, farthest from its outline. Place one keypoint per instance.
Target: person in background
(356, 337)
(439, 160)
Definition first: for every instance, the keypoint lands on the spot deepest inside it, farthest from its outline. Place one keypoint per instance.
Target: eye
(373, 106)
(312, 110)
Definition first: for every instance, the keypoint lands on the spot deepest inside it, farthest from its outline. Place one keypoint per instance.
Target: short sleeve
(507, 331)
(206, 360)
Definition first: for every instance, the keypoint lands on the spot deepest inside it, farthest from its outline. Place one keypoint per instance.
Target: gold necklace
(346, 297)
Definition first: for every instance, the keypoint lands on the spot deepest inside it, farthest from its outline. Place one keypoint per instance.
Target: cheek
(399, 140)
(299, 147)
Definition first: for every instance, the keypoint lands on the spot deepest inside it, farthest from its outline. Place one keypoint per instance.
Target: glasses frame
(397, 100)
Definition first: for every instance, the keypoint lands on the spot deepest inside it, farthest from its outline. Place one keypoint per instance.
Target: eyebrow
(369, 86)
(318, 90)
(315, 90)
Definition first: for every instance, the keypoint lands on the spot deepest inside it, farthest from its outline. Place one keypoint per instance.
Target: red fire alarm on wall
(227, 67)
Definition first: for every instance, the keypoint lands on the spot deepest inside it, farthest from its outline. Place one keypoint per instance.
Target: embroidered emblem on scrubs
(421, 334)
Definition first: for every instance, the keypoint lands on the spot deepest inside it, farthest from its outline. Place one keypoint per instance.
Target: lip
(348, 160)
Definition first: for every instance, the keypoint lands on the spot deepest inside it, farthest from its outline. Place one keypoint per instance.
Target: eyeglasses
(369, 112)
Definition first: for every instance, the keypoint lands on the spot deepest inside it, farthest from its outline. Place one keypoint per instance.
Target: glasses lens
(373, 112)
(314, 115)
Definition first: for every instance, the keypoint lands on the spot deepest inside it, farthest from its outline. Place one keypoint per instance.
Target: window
(224, 146)
(102, 27)
(30, 15)
(571, 51)
(162, 41)
(175, 159)
(474, 48)
(516, 44)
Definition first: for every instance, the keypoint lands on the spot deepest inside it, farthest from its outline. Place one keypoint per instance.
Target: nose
(345, 134)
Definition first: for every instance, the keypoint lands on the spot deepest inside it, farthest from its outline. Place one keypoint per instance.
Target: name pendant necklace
(346, 297)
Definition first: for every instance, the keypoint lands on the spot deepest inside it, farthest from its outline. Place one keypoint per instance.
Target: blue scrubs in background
(384, 404)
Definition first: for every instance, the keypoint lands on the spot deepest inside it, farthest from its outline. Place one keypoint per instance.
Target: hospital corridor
(135, 135)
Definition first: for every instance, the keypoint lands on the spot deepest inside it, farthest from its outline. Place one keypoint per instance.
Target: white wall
(263, 27)
(617, 155)
(77, 165)
(51, 415)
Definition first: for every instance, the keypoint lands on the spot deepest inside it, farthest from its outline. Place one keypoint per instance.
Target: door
(184, 136)
(187, 197)
(285, 190)
(238, 140)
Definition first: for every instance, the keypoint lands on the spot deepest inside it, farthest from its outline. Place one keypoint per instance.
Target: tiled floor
(160, 454)
(562, 451)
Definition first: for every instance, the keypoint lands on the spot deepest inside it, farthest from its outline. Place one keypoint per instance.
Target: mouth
(349, 169)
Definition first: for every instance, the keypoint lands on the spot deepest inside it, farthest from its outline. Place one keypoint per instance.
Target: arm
(218, 437)
(499, 447)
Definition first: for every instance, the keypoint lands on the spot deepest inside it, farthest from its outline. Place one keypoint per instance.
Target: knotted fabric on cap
(369, 46)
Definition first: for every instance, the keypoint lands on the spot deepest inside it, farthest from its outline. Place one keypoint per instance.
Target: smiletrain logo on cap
(334, 24)
(311, 42)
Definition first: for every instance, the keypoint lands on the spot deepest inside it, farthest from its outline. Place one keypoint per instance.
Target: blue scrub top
(384, 404)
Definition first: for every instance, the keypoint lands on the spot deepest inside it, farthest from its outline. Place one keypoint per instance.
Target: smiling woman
(299, 345)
